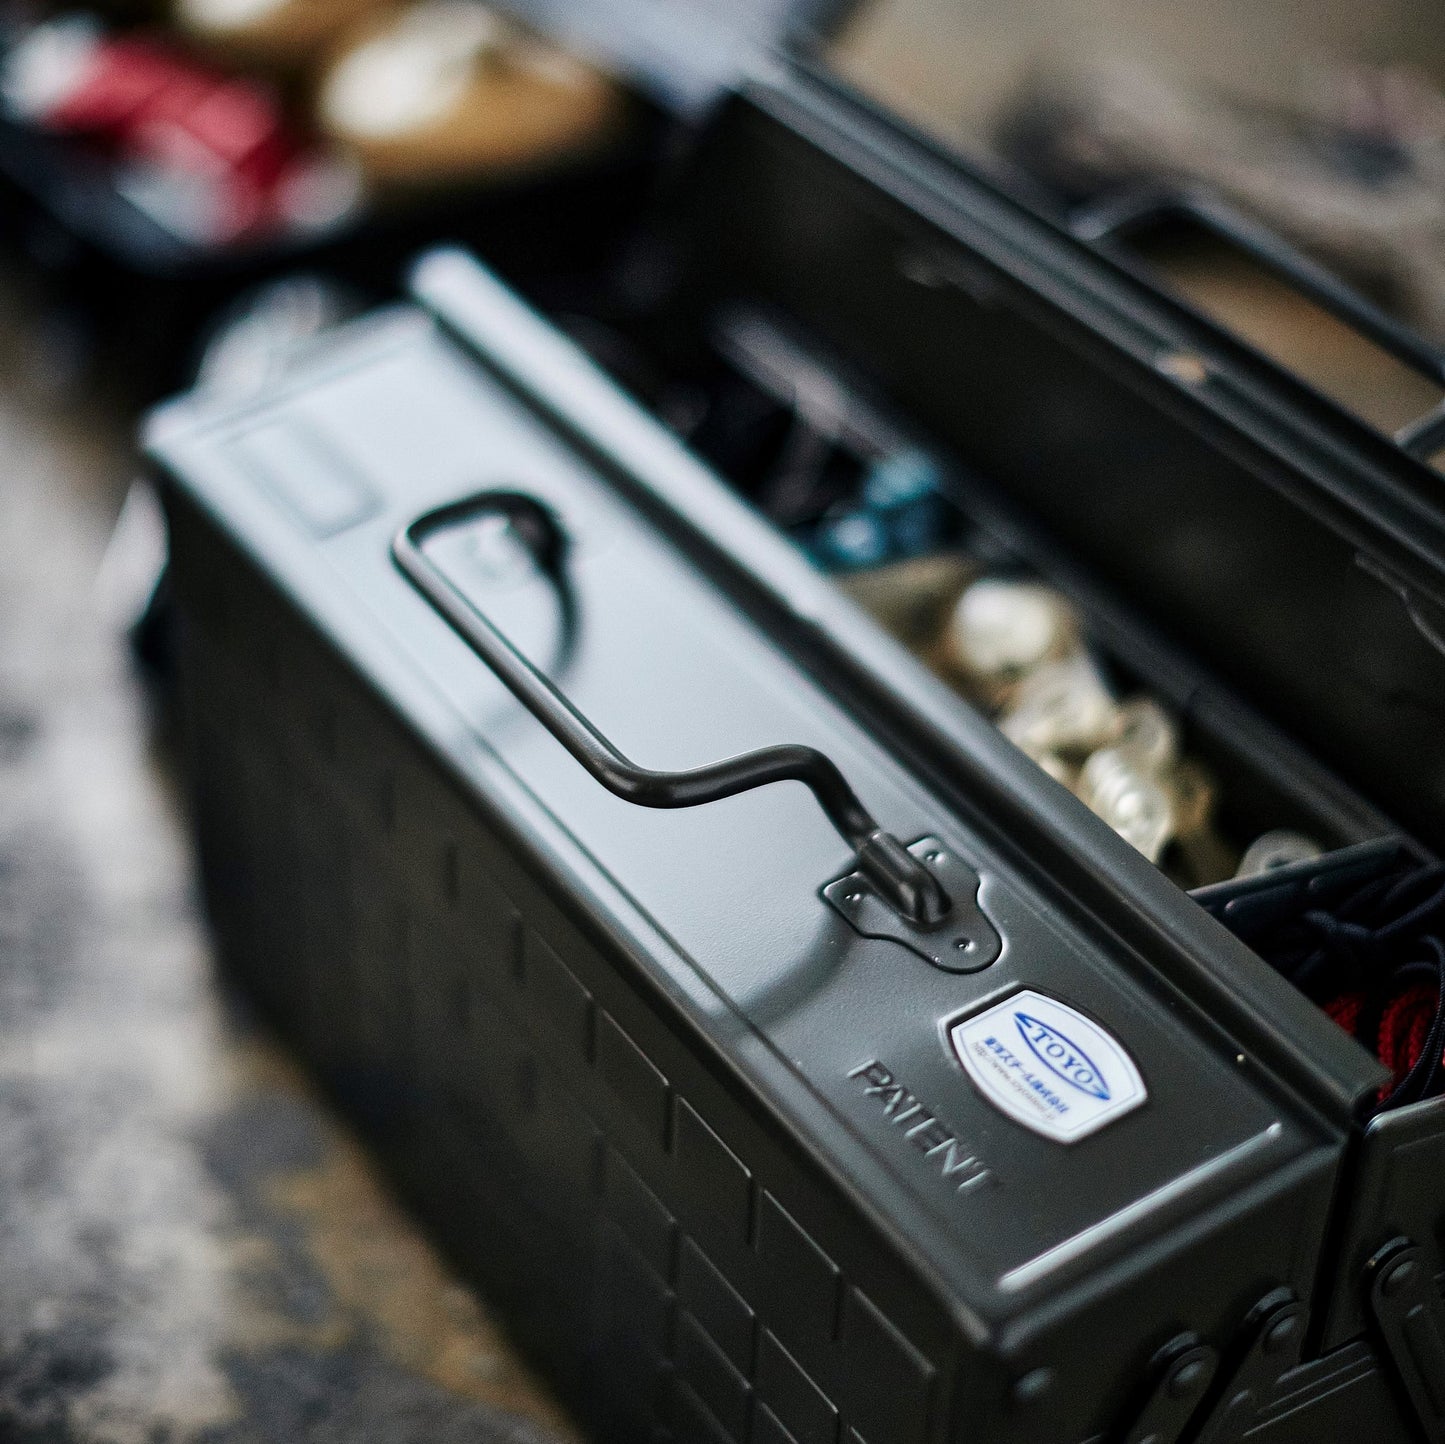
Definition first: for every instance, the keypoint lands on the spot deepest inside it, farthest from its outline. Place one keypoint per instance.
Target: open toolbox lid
(1292, 548)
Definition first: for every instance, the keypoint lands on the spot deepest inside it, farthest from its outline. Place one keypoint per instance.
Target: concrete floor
(191, 1247)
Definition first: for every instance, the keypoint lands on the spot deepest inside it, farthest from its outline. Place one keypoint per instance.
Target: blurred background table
(191, 1246)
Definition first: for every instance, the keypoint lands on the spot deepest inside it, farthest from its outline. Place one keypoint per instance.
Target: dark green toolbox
(787, 1053)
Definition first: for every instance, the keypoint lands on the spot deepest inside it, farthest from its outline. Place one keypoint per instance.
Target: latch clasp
(1196, 1395)
(959, 938)
(1410, 1316)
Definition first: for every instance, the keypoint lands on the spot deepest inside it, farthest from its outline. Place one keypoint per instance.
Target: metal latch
(1405, 1301)
(1181, 1405)
(1274, 1335)
(1181, 1374)
(959, 940)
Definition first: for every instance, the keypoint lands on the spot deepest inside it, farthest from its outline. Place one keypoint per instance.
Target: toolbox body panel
(712, 1148)
(676, 938)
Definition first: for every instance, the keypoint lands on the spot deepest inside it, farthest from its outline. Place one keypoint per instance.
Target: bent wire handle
(896, 874)
(1117, 217)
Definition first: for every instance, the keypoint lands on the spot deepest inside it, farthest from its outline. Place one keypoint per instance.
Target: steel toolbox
(788, 1054)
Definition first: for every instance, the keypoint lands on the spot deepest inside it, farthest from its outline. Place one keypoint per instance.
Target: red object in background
(142, 96)
(120, 78)
(1405, 1028)
(207, 154)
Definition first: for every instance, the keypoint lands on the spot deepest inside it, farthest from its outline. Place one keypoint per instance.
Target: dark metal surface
(1170, 458)
(980, 770)
(699, 942)
(1183, 1371)
(898, 878)
(1273, 1338)
(1405, 1302)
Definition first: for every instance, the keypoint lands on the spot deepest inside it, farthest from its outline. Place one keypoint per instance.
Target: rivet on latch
(1284, 1332)
(1398, 1279)
(1189, 1378)
(1033, 1386)
(1273, 1335)
(963, 940)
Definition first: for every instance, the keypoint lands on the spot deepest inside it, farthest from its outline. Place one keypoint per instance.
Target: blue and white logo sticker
(1048, 1067)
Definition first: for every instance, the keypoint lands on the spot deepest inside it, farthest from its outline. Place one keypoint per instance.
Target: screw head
(1033, 1385)
(1187, 1379)
(1399, 1278)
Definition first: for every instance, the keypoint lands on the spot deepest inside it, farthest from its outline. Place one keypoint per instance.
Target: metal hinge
(1181, 1373)
(1182, 1406)
(1273, 1336)
(1406, 1305)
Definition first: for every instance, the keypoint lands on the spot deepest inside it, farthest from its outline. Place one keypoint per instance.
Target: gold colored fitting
(1062, 707)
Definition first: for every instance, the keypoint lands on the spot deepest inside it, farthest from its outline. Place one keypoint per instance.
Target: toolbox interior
(756, 438)
(1266, 783)
(785, 422)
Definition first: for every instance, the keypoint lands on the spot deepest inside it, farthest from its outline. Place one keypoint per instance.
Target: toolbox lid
(1294, 549)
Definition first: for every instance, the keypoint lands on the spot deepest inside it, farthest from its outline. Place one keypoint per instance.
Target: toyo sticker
(1047, 1066)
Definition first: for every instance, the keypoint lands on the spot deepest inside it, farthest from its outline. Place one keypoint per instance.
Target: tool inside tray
(879, 511)
(1357, 924)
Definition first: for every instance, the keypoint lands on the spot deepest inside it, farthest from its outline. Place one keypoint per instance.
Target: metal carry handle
(898, 877)
(1117, 217)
